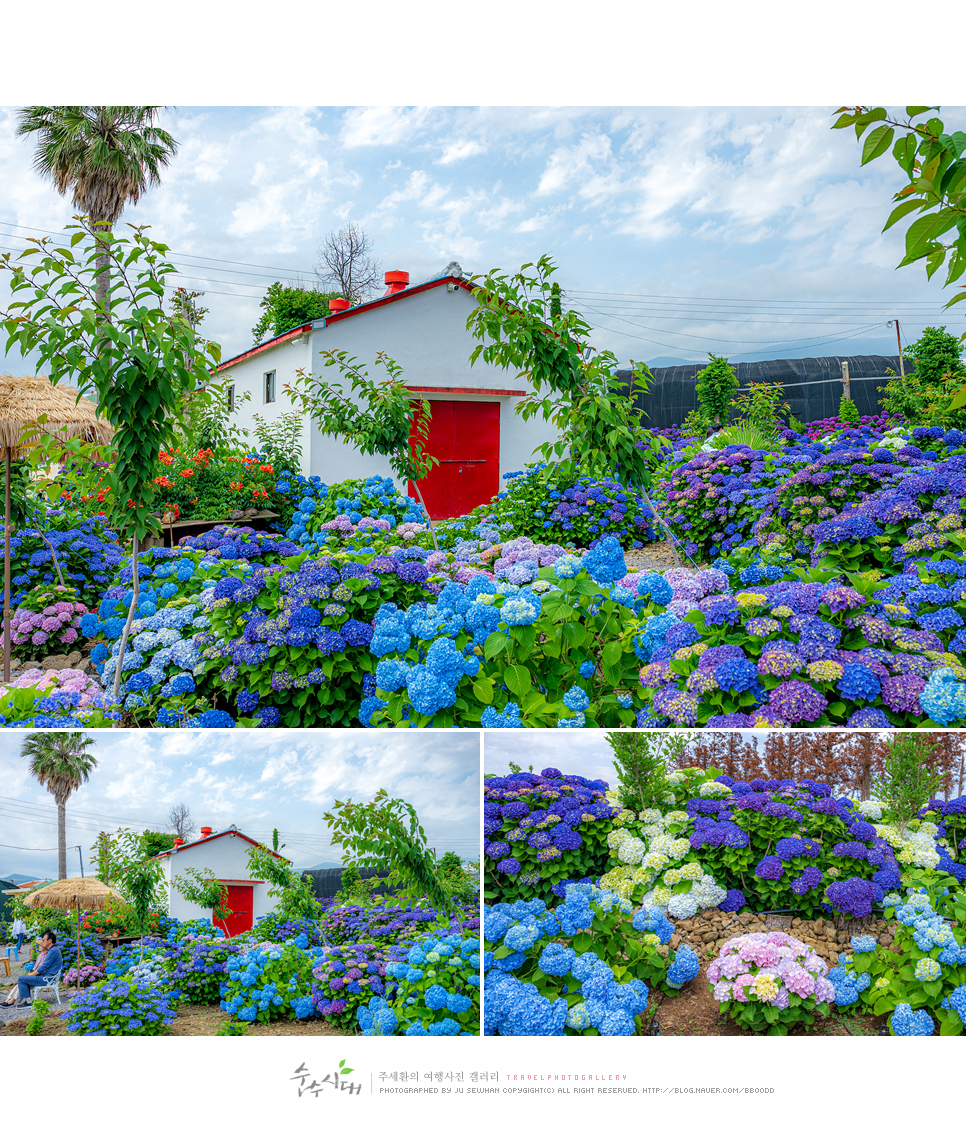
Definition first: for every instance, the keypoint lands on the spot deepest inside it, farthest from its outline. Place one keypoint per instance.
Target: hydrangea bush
(769, 982)
(496, 655)
(87, 551)
(583, 967)
(920, 980)
(436, 988)
(581, 509)
(119, 1007)
(541, 830)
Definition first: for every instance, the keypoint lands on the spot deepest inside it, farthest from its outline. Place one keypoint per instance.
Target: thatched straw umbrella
(23, 400)
(77, 892)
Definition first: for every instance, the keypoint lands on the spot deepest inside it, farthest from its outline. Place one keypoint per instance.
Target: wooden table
(261, 521)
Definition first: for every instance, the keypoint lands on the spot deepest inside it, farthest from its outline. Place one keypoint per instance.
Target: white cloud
(381, 126)
(462, 149)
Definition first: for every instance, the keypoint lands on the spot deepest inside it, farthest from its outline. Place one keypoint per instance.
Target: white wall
(426, 334)
(249, 376)
(227, 858)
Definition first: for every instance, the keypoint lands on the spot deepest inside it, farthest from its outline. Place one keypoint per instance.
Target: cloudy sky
(257, 780)
(751, 232)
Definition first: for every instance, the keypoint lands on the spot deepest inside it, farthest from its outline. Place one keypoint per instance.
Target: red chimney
(337, 304)
(205, 832)
(178, 842)
(396, 280)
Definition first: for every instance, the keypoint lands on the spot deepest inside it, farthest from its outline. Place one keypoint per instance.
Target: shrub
(565, 508)
(347, 977)
(297, 636)
(714, 498)
(87, 550)
(198, 970)
(493, 654)
(210, 486)
(716, 388)
(769, 982)
(268, 984)
(542, 830)
(389, 925)
(920, 981)
(437, 987)
(47, 620)
(82, 976)
(594, 983)
(808, 653)
(119, 1007)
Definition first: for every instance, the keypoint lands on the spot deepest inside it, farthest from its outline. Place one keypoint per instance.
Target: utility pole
(846, 384)
(80, 857)
(902, 368)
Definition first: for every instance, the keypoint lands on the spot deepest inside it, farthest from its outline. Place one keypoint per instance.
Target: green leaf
(877, 143)
(901, 211)
(517, 679)
(483, 689)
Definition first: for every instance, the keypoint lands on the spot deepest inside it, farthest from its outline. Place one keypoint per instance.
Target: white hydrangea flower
(692, 870)
(631, 851)
(713, 789)
(871, 810)
(662, 896)
(682, 906)
(650, 816)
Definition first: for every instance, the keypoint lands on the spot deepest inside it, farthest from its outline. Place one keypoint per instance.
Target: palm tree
(61, 763)
(107, 156)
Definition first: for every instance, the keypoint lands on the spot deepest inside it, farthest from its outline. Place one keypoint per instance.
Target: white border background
(553, 52)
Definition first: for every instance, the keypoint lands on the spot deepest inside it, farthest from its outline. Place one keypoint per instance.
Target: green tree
(155, 843)
(141, 367)
(104, 157)
(203, 889)
(286, 307)
(932, 160)
(61, 763)
(387, 422)
(642, 760)
(938, 356)
(574, 387)
(292, 889)
(929, 395)
(717, 386)
(138, 877)
(909, 777)
(387, 834)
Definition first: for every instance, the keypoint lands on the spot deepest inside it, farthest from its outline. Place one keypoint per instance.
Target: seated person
(49, 964)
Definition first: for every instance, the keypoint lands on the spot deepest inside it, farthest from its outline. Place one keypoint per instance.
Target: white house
(475, 432)
(226, 854)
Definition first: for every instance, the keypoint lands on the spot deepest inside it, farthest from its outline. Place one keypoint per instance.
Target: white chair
(52, 985)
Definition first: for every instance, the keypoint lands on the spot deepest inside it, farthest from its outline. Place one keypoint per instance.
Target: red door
(238, 898)
(465, 437)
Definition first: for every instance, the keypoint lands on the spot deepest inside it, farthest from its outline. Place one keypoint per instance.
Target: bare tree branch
(180, 821)
(345, 263)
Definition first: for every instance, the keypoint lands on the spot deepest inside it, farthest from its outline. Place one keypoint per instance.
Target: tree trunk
(670, 535)
(130, 620)
(61, 840)
(866, 782)
(432, 530)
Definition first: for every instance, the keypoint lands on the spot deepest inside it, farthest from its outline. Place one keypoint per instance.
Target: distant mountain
(667, 362)
(19, 878)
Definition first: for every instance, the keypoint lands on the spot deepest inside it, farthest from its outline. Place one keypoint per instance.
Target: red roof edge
(463, 389)
(388, 299)
(289, 335)
(215, 836)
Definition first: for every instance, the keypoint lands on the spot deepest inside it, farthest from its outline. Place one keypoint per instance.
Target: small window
(231, 398)
(270, 388)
